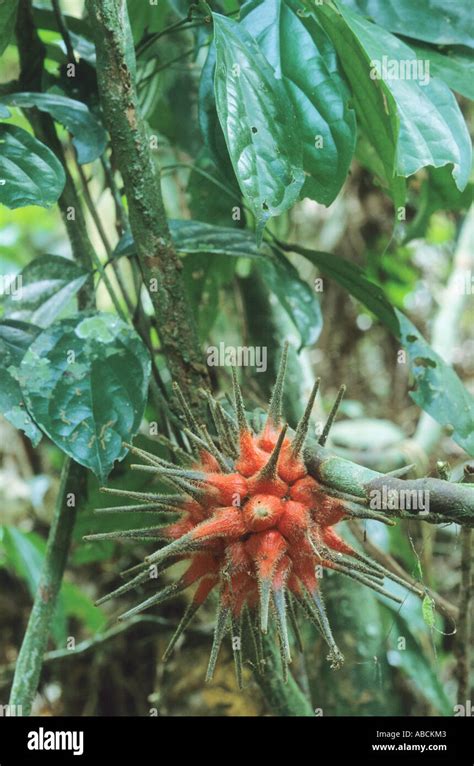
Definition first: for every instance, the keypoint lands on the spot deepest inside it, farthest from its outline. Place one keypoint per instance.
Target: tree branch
(158, 259)
(448, 502)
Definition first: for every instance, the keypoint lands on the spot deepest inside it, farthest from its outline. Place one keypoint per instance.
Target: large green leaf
(258, 123)
(85, 381)
(454, 66)
(432, 129)
(303, 58)
(437, 389)
(435, 21)
(89, 137)
(30, 174)
(8, 11)
(374, 104)
(47, 285)
(15, 337)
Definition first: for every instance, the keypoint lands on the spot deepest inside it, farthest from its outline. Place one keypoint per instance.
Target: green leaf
(435, 21)
(85, 382)
(432, 130)
(258, 123)
(30, 174)
(454, 66)
(15, 338)
(198, 237)
(352, 278)
(437, 388)
(374, 104)
(8, 11)
(89, 137)
(46, 286)
(304, 60)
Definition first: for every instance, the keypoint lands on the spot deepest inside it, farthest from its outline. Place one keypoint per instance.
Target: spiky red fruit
(255, 527)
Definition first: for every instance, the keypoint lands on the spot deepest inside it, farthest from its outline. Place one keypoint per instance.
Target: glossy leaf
(30, 174)
(15, 338)
(454, 66)
(432, 129)
(374, 104)
(435, 21)
(258, 123)
(304, 60)
(48, 284)
(85, 381)
(89, 137)
(437, 389)
(8, 11)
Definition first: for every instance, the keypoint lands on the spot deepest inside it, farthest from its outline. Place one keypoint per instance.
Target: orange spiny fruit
(254, 527)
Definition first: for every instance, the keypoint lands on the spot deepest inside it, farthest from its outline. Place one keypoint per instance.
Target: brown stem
(156, 253)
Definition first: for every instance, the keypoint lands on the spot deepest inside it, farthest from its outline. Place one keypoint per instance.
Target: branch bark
(156, 253)
(448, 502)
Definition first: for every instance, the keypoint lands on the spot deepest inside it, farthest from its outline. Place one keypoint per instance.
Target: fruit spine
(254, 527)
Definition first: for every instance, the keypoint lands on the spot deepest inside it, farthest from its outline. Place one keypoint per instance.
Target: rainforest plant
(180, 143)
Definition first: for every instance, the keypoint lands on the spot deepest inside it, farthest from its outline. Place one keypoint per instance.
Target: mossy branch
(448, 502)
(158, 259)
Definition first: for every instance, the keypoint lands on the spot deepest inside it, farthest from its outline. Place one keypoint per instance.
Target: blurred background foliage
(117, 671)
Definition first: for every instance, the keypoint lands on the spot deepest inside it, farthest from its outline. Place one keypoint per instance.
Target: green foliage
(437, 388)
(258, 123)
(23, 554)
(30, 172)
(8, 13)
(15, 338)
(431, 127)
(89, 136)
(304, 60)
(438, 22)
(47, 286)
(85, 383)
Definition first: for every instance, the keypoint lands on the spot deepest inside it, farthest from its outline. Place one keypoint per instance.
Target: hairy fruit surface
(252, 526)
